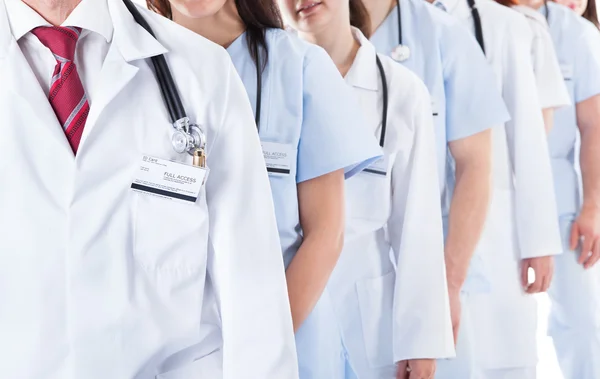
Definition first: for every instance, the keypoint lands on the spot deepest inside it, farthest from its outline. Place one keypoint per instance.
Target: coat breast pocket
(368, 194)
(170, 235)
(376, 299)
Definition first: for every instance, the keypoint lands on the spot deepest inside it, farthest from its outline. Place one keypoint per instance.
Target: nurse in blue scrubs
(466, 104)
(575, 292)
(311, 131)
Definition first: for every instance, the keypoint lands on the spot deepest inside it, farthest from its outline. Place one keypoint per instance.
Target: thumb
(402, 373)
(574, 240)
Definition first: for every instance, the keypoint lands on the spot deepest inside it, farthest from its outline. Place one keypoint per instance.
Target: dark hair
(257, 15)
(359, 17)
(591, 14)
(509, 3)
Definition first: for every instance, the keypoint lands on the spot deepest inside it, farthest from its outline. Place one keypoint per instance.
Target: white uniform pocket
(368, 194)
(376, 299)
(170, 235)
(210, 367)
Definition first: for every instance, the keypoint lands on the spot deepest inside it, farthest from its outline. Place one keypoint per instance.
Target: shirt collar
(92, 15)
(363, 73)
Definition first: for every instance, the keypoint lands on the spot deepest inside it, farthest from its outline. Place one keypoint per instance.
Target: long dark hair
(359, 17)
(591, 14)
(257, 15)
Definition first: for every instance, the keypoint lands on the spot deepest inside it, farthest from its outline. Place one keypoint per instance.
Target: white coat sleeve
(245, 259)
(552, 91)
(421, 313)
(535, 201)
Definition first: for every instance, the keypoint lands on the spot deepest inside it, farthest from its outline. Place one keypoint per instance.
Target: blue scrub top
(465, 95)
(305, 104)
(577, 44)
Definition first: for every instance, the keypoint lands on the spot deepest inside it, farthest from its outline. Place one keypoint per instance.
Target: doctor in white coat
(389, 315)
(521, 232)
(97, 281)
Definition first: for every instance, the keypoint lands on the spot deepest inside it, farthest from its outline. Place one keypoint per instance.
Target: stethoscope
(188, 137)
(259, 81)
(402, 52)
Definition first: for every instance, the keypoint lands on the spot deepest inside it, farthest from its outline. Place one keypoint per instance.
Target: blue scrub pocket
(376, 300)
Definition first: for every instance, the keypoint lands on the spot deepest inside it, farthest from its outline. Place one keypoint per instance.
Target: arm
(587, 92)
(421, 318)
(321, 203)
(245, 262)
(535, 204)
(548, 114)
(587, 224)
(468, 209)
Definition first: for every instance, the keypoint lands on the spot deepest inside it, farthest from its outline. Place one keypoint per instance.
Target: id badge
(278, 158)
(378, 168)
(169, 180)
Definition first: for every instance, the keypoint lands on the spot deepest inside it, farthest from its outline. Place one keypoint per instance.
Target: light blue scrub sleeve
(334, 134)
(587, 64)
(474, 101)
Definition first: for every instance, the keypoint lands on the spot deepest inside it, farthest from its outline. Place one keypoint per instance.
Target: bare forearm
(590, 166)
(468, 212)
(309, 272)
(548, 114)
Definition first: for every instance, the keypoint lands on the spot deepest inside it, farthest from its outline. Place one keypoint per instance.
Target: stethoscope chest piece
(401, 53)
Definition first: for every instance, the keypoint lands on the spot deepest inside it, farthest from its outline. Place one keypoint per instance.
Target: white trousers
(574, 323)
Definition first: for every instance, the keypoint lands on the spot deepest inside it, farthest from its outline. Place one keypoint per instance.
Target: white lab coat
(389, 287)
(522, 218)
(552, 91)
(99, 282)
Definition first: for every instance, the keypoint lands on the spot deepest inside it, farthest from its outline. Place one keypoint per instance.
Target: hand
(455, 313)
(587, 230)
(544, 270)
(416, 369)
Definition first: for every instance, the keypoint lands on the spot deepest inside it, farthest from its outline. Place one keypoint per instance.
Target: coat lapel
(130, 43)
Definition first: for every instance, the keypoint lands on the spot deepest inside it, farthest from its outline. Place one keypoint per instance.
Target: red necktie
(67, 96)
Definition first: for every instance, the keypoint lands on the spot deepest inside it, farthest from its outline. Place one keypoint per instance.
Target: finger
(548, 278)
(455, 330)
(524, 274)
(402, 373)
(574, 240)
(595, 255)
(536, 287)
(586, 249)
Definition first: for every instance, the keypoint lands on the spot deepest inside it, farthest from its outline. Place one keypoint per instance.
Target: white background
(548, 366)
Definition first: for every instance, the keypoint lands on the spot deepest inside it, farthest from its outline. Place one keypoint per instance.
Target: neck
(53, 11)
(222, 28)
(379, 10)
(535, 4)
(339, 43)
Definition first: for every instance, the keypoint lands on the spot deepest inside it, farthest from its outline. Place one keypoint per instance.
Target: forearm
(309, 271)
(548, 114)
(590, 167)
(467, 217)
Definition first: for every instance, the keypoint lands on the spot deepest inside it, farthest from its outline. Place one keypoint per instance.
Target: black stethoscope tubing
(383, 83)
(476, 21)
(163, 74)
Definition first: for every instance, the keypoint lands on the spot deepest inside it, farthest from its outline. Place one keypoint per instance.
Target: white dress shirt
(92, 46)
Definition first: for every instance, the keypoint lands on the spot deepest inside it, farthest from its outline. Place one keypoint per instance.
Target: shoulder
(182, 43)
(502, 15)
(535, 18)
(569, 20)
(402, 82)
